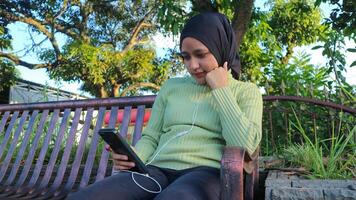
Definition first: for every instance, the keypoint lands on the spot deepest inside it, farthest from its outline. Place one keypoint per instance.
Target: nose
(194, 64)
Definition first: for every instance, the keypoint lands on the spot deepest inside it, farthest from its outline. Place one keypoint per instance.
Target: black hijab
(215, 32)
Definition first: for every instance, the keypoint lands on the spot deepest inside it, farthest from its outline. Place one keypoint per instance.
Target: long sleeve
(151, 133)
(226, 116)
(241, 117)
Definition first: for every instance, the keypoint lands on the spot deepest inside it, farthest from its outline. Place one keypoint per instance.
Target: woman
(192, 119)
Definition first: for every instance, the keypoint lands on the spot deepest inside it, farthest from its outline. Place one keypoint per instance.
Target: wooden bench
(48, 150)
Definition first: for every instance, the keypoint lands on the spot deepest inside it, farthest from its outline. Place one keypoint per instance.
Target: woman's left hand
(218, 77)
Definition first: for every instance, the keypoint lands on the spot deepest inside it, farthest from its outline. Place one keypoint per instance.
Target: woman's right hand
(120, 161)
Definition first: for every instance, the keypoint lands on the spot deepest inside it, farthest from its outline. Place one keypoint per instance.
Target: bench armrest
(234, 163)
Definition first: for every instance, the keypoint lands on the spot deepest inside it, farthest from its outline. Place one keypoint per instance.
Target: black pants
(199, 183)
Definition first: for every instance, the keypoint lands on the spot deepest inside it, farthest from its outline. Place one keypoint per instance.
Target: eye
(184, 56)
(202, 55)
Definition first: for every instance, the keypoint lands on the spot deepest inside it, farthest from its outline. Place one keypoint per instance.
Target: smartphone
(119, 145)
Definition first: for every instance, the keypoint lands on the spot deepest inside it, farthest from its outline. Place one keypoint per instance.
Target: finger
(119, 156)
(225, 66)
(124, 164)
(121, 168)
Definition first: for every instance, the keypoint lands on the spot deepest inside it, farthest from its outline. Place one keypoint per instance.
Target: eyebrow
(196, 51)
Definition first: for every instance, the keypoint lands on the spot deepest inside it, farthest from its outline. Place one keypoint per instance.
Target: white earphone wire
(195, 114)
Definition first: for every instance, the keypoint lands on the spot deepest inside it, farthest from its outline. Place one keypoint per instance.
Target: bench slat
(32, 151)
(11, 151)
(41, 157)
(8, 133)
(80, 151)
(105, 154)
(67, 149)
(21, 152)
(65, 157)
(29, 187)
(57, 147)
(138, 124)
(13, 189)
(125, 121)
(92, 151)
(4, 120)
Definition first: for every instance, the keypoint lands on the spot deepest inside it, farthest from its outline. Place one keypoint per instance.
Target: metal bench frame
(33, 177)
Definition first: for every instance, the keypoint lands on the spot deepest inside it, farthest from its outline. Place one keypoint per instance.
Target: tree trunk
(115, 90)
(241, 19)
(136, 86)
(288, 55)
(102, 92)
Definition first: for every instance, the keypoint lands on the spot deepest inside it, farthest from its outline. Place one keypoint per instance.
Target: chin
(200, 81)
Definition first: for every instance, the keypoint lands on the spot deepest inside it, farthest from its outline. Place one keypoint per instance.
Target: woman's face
(197, 59)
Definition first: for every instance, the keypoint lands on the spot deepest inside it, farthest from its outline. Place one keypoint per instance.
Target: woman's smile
(199, 74)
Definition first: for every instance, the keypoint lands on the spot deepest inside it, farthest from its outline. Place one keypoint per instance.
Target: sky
(22, 39)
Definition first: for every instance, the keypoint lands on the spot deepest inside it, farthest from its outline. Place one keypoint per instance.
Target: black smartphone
(119, 145)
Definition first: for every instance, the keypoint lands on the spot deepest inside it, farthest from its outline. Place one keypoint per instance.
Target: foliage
(336, 161)
(299, 77)
(273, 34)
(106, 42)
(342, 17)
(172, 16)
(259, 47)
(341, 25)
(278, 119)
(333, 49)
(295, 22)
(8, 73)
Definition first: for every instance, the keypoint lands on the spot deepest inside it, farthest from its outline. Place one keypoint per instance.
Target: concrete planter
(285, 185)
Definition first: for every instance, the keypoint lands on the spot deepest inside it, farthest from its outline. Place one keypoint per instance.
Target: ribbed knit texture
(229, 116)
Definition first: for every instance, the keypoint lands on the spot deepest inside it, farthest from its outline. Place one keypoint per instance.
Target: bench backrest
(57, 141)
(52, 137)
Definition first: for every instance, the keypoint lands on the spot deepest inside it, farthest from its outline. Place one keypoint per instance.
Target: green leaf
(353, 64)
(317, 3)
(351, 50)
(317, 47)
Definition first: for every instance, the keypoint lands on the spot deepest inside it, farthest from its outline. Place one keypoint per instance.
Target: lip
(199, 75)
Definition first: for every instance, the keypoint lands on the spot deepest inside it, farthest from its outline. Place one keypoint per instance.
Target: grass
(338, 161)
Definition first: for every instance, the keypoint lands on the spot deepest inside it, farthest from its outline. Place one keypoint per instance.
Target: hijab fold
(216, 33)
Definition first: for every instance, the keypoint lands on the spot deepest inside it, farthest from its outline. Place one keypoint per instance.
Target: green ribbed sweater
(229, 116)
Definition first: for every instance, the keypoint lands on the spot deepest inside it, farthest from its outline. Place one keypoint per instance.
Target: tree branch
(139, 85)
(66, 31)
(62, 10)
(18, 61)
(34, 44)
(85, 10)
(39, 25)
(141, 24)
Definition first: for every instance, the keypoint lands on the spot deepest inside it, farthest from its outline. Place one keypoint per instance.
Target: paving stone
(339, 194)
(295, 194)
(324, 183)
(284, 186)
(276, 179)
(278, 183)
